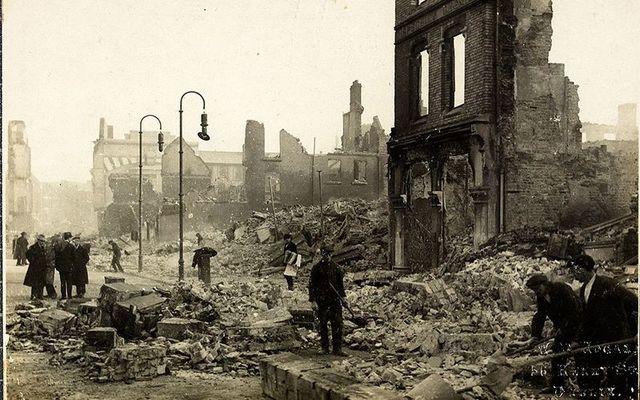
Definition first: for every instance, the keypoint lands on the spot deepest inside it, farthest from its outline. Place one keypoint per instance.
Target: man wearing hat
(64, 265)
(80, 276)
(22, 243)
(326, 291)
(558, 302)
(610, 314)
(36, 272)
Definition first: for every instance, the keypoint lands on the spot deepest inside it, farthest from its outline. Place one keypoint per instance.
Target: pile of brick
(133, 362)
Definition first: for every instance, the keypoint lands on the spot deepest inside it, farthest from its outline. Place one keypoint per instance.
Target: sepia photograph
(320, 199)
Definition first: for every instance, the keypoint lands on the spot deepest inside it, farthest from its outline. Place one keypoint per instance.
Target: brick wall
(567, 190)
(298, 183)
(477, 23)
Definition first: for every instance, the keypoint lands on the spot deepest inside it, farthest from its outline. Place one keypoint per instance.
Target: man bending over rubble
(326, 293)
(558, 302)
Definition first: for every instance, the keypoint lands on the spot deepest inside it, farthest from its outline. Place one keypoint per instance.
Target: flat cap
(537, 280)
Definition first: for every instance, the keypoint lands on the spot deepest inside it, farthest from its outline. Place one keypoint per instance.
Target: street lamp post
(321, 210)
(140, 189)
(204, 136)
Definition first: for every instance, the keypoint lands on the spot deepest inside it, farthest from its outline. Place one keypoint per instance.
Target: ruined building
(115, 176)
(356, 170)
(487, 134)
(626, 130)
(18, 183)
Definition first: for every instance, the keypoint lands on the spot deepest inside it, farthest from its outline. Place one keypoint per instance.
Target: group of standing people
(603, 312)
(63, 253)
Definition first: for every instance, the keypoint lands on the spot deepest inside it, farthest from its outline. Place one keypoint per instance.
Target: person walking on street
(80, 260)
(202, 259)
(21, 249)
(558, 302)
(290, 260)
(326, 293)
(35, 276)
(115, 260)
(610, 314)
(64, 265)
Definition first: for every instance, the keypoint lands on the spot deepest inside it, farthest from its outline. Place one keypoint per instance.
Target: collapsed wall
(549, 180)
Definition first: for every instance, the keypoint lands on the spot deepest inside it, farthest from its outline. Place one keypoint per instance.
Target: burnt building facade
(115, 179)
(486, 129)
(357, 170)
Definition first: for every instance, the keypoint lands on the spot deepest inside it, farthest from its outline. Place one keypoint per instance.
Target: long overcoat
(36, 272)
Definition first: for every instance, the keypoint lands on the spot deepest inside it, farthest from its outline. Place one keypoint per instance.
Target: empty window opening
(334, 170)
(457, 68)
(272, 188)
(360, 171)
(423, 94)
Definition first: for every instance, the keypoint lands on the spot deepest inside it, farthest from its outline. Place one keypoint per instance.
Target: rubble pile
(357, 228)
(499, 281)
(527, 241)
(412, 335)
(230, 301)
(38, 326)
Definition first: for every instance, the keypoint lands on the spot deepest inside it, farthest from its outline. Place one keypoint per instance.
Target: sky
(286, 63)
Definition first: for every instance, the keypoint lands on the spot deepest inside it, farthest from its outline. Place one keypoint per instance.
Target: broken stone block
(102, 338)
(72, 305)
(433, 388)
(135, 315)
(197, 353)
(112, 293)
(88, 307)
(263, 233)
(175, 328)
(391, 375)
(56, 322)
(435, 291)
(113, 279)
(132, 362)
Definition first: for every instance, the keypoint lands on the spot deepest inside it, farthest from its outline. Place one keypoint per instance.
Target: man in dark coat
(202, 259)
(558, 302)
(51, 269)
(610, 314)
(36, 273)
(326, 287)
(115, 260)
(64, 265)
(80, 276)
(21, 249)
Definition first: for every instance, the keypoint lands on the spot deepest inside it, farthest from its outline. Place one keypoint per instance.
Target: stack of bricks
(435, 292)
(264, 337)
(288, 376)
(131, 362)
